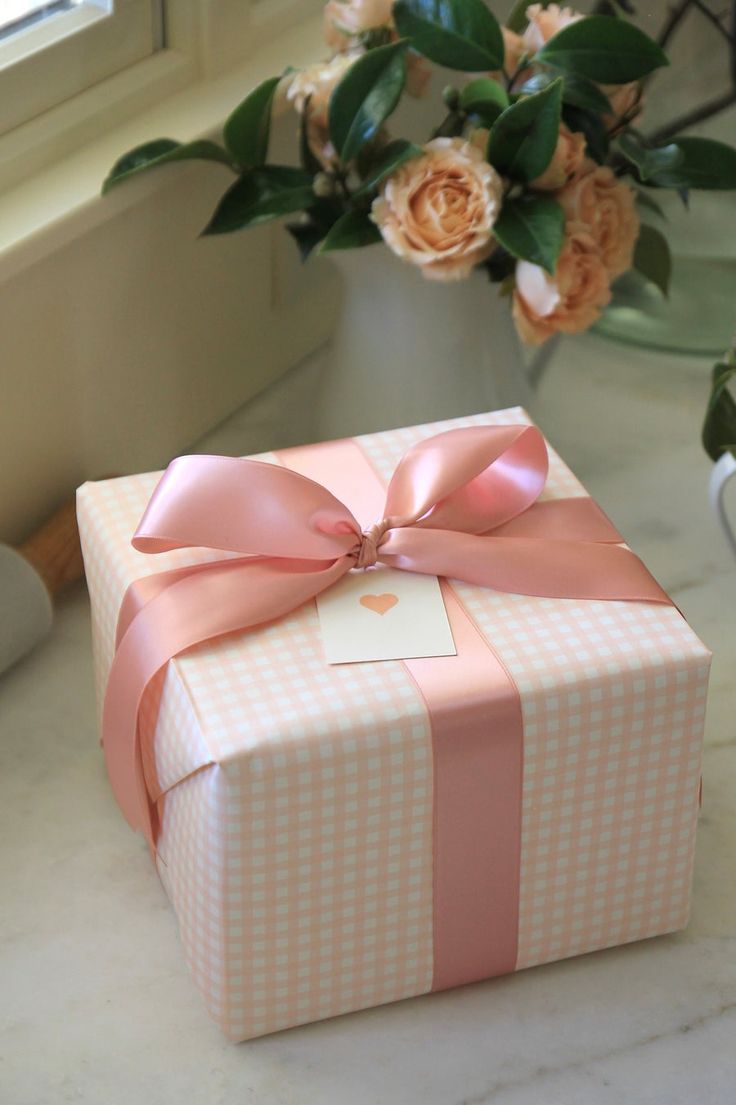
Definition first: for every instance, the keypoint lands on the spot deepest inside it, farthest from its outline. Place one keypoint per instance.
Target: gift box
(336, 835)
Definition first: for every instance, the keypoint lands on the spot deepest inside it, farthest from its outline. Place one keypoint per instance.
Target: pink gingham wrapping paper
(296, 797)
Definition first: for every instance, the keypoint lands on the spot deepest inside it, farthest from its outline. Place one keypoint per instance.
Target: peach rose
(626, 101)
(479, 139)
(438, 210)
(513, 51)
(607, 206)
(316, 82)
(418, 74)
(544, 23)
(314, 85)
(345, 20)
(568, 302)
(568, 157)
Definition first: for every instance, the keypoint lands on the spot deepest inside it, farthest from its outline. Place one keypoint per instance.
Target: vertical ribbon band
(474, 712)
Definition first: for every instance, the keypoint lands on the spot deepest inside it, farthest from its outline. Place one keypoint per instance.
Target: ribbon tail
(146, 588)
(525, 565)
(232, 595)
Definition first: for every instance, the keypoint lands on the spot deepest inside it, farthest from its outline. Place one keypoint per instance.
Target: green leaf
(459, 34)
(591, 125)
(704, 164)
(326, 211)
(388, 161)
(247, 128)
(261, 195)
(576, 90)
(161, 151)
(683, 163)
(603, 49)
(366, 96)
(524, 137)
(580, 92)
(375, 36)
(648, 160)
(452, 126)
(532, 228)
(354, 229)
(485, 98)
(652, 257)
(500, 266)
(307, 236)
(719, 426)
(517, 19)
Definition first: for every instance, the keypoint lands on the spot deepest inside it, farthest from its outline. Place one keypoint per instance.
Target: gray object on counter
(26, 613)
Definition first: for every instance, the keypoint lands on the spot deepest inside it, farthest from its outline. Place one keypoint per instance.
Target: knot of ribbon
(463, 504)
(366, 554)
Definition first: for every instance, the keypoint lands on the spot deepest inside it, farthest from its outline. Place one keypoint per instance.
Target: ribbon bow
(463, 504)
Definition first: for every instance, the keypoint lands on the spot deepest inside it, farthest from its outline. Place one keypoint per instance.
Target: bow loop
(246, 507)
(470, 479)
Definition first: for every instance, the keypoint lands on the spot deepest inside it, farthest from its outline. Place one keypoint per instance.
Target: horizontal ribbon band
(462, 504)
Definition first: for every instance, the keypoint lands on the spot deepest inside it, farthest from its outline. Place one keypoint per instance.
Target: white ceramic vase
(408, 350)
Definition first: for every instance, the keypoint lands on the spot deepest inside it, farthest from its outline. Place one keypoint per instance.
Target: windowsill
(42, 213)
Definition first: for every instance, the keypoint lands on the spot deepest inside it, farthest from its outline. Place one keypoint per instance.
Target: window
(71, 71)
(51, 51)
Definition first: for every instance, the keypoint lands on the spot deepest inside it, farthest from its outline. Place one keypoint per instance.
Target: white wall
(123, 346)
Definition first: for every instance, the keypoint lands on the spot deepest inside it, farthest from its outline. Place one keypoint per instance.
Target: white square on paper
(384, 614)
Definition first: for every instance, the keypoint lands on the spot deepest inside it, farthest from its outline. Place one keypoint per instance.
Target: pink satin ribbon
(462, 504)
(477, 734)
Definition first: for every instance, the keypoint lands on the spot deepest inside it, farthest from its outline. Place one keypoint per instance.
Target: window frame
(56, 58)
(202, 41)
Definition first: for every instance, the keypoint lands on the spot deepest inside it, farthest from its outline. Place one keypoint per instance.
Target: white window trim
(53, 205)
(203, 41)
(67, 52)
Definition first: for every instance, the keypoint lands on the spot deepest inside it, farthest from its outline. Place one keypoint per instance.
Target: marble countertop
(96, 1004)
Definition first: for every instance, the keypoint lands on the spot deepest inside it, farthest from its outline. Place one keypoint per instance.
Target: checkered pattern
(613, 700)
(327, 806)
(296, 798)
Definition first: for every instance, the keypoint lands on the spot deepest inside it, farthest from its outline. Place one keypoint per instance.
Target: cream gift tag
(384, 614)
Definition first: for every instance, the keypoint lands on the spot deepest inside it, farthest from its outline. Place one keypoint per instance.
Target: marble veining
(95, 1001)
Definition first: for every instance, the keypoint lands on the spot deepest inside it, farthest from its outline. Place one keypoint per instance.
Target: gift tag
(384, 614)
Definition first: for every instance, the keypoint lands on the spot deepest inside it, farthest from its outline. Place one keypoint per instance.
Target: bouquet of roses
(535, 172)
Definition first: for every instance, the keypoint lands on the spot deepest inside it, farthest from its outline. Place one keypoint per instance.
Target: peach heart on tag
(379, 604)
